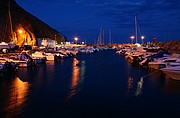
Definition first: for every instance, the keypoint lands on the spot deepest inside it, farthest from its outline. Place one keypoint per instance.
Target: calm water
(97, 85)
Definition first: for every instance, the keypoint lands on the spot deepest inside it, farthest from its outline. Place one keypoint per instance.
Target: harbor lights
(20, 31)
(76, 39)
(23, 35)
(142, 37)
(132, 38)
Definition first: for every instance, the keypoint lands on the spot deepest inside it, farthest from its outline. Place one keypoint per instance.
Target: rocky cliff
(173, 46)
(19, 26)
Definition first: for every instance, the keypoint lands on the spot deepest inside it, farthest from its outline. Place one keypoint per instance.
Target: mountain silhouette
(20, 26)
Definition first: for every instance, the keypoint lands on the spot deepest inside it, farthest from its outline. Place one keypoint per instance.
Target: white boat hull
(156, 65)
(172, 72)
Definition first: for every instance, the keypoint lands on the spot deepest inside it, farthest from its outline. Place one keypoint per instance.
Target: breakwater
(172, 46)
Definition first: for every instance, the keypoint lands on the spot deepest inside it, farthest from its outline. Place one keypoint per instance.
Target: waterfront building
(46, 42)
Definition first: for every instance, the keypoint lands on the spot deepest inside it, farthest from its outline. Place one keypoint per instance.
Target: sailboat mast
(10, 21)
(136, 29)
(110, 40)
(103, 37)
(99, 37)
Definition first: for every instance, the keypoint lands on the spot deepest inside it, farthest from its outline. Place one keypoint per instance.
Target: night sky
(84, 18)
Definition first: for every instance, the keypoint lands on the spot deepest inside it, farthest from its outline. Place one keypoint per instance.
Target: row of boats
(32, 58)
(153, 57)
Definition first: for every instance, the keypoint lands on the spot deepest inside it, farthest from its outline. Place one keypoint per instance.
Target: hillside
(173, 46)
(26, 27)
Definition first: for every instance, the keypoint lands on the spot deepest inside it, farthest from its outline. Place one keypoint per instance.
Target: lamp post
(142, 37)
(76, 39)
(132, 38)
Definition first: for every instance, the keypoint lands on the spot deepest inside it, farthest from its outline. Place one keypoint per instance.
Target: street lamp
(132, 38)
(142, 37)
(76, 39)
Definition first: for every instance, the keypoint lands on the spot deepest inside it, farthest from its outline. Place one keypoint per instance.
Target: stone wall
(173, 46)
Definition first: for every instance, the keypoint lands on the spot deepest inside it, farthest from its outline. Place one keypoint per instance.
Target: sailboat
(136, 29)
(110, 38)
(136, 32)
(100, 40)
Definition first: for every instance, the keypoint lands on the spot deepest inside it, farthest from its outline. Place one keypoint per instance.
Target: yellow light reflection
(17, 97)
(75, 78)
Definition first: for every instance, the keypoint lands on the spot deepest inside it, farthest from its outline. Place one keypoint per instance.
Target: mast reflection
(17, 97)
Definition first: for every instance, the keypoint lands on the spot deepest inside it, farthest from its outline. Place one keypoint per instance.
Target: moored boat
(172, 72)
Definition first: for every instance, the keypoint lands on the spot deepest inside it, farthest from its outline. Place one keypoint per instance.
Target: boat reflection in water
(130, 86)
(139, 87)
(17, 97)
(131, 89)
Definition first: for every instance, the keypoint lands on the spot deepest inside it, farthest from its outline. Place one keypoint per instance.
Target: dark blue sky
(84, 18)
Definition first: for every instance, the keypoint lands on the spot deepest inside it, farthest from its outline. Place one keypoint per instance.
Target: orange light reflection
(17, 97)
(75, 78)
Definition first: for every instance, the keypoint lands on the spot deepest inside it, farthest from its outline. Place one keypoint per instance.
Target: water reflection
(139, 87)
(75, 78)
(171, 85)
(129, 85)
(17, 97)
(82, 70)
(78, 71)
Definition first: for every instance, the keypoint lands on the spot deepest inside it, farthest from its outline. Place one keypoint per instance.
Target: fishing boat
(7, 65)
(172, 72)
(39, 57)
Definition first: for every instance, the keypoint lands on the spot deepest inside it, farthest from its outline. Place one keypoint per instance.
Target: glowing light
(76, 39)
(132, 38)
(20, 31)
(142, 37)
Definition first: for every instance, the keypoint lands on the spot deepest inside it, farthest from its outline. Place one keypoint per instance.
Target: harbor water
(97, 85)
